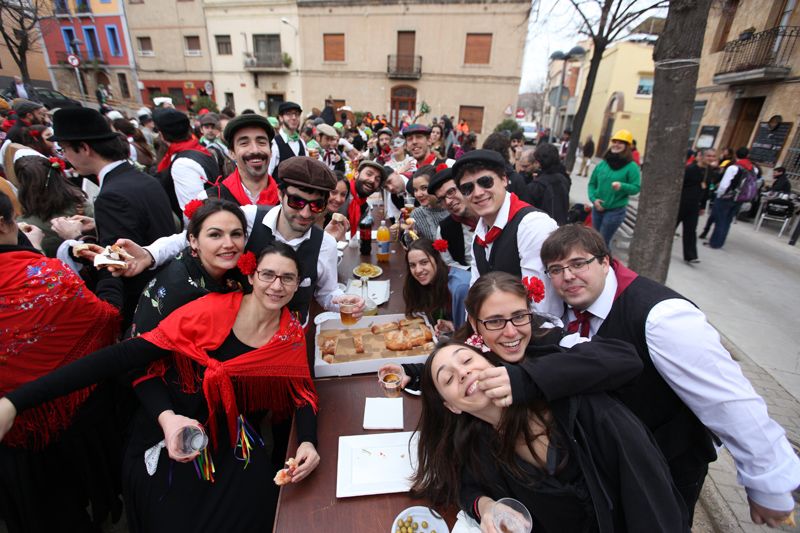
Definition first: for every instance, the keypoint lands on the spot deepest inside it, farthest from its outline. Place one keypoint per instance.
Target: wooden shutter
(478, 50)
(473, 115)
(334, 46)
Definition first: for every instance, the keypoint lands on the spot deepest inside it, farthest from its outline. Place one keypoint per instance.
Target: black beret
(243, 121)
(489, 158)
(171, 123)
(439, 179)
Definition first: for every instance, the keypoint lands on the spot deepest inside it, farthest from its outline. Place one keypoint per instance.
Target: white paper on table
(383, 413)
(378, 290)
(382, 463)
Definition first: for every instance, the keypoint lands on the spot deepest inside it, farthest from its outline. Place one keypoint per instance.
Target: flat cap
(373, 164)
(416, 128)
(171, 123)
(209, 119)
(285, 107)
(440, 178)
(23, 106)
(325, 129)
(304, 171)
(385, 131)
(246, 120)
(490, 158)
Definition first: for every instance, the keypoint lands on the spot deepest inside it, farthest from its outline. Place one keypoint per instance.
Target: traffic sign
(74, 60)
(209, 87)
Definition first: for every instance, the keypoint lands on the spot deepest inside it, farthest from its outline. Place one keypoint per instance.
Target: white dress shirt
(448, 259)
(687, 352)
(275, 158)
(189, 179)
(327, 288)
(532, 231)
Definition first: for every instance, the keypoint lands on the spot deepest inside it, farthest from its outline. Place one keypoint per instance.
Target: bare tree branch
(589, 30)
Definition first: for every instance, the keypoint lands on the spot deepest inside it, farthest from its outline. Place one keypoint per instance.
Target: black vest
(504, 256)
(222, 192)
(210, 169)
(284, 152)
(453, 233)
(677, 430)
(307, 255)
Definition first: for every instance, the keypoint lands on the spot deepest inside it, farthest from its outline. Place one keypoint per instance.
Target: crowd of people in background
(594, 395)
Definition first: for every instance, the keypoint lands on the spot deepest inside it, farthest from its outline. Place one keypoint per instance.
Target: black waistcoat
(453, 233)
(222, 192)
(504, 256)
(285, 152)
(677, 430)
(307, 255)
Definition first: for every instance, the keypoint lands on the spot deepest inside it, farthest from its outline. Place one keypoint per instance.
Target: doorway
(405, 51)
(403, 102)
(744, 115)
(615, 104)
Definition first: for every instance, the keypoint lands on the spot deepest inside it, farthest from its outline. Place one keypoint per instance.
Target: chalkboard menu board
(768, 142)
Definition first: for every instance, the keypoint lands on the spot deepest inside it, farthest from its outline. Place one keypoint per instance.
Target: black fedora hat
(80, 124)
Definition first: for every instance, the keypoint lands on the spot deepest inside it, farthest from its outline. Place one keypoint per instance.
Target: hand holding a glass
(351, 308)
(184, 437)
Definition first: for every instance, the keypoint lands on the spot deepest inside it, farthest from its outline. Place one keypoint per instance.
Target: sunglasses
(298, 203)
(486, 182)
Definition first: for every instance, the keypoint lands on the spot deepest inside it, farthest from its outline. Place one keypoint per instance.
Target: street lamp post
(75, 43)
(574, 53)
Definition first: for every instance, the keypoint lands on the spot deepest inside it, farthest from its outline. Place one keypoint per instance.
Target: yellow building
(747, 91)
(37, 67)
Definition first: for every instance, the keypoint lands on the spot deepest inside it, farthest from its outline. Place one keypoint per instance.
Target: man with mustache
(458, 228)
(369, 179)
(287, 143)
(249, 138)
(381, 147)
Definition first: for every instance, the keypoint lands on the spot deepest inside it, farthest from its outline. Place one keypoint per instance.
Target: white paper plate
(418, 515)
(379, 291)
(375, 464)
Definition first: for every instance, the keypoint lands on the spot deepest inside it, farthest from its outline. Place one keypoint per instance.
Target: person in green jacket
(613, 180)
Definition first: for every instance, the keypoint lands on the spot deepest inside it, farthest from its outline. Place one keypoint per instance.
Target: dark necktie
(581, 323)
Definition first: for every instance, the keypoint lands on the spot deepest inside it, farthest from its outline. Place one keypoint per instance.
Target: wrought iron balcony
(766, 55)
(83, 8)
(404, 67)
(272, 63)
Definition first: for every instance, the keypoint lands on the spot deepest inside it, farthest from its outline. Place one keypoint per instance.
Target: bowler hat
(172, 124)
(304, 171)
(490, 158)
(373, 164)
(416, 128)
(80, 124)
(243, 121)
(285, 107)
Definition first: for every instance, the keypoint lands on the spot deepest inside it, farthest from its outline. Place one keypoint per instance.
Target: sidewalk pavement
(747, 289)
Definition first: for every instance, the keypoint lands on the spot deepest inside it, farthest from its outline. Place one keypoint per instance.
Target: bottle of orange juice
(384, 238)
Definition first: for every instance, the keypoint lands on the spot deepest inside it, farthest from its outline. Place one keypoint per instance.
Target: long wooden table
(311, 505)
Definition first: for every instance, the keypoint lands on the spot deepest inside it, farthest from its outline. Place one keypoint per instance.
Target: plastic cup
(189, 440)
(511, 516)
(391, 380)
(347, 310)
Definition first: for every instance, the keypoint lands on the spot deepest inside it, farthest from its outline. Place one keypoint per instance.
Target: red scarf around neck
(625, 276)
(174, 148)
(494, 232)
(49, 319)
(354, 208)
(267, 196)
(428, 160)
(273, 377)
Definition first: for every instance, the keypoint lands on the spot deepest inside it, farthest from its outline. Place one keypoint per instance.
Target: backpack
(748, 186)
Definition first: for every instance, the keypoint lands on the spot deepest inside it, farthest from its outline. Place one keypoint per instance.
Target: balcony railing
(61, 58)
(61, 9)
(764, 55)
(265, 63)
(405, 67)
(83, 7)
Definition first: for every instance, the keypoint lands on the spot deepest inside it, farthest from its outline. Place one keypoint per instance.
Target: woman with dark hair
(434, 289)
(45, 194)
(60, 457)
(427, 216)
(437, 140)
(613, 180)
(549, 191)
(144, 154)
(582, 463)
(37, 137)
(337, 202)
(228, 359)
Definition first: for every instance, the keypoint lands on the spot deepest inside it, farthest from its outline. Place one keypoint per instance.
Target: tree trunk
(668, 131)
(599, 46)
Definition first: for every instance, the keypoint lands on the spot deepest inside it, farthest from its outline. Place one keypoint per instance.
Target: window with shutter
(473, 115)
(478, 49)
(224, 47)
(334, 46)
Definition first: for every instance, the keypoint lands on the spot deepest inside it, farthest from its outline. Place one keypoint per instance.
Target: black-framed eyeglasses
(298, 203)
(576, 266)
(269, 277)
(519, 319)
(486, 182)
(449, 195)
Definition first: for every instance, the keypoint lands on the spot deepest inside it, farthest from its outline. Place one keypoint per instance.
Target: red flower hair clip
(191, 206)
(247, 263)
(440, 245)
(34, 133)
(535, 288)
(57, 163)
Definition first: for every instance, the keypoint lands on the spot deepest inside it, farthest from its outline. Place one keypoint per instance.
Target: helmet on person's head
(624, 136)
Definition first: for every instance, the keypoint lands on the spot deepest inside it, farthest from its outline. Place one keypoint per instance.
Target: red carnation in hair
(55, 162)
(247, 263)
(440, 245)
(535, 288)
(190, 208)
(441, 166)
(34, 133)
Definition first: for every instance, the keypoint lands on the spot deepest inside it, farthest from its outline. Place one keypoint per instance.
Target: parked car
(51, 98)
(530, 132)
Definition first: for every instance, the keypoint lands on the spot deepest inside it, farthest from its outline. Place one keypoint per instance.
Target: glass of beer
(511, 516)
(391, 380)
(408, 204)
(347, 310)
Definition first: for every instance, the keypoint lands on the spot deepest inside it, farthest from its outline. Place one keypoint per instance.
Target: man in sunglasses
(690, 386)
(305, 186)
(510, 232)
(458, 228)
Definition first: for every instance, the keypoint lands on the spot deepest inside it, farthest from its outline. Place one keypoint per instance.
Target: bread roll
(383, 328)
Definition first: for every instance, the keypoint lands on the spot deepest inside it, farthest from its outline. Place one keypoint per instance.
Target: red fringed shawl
(48, 318)
(274, 376)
